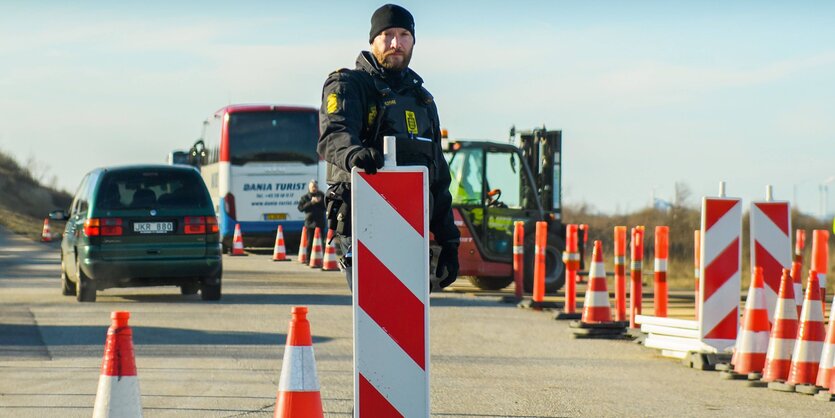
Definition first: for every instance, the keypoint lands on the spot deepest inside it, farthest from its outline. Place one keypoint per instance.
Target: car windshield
(273, 137)
(151, 189)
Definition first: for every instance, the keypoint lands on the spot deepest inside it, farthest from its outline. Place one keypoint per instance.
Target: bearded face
(393, 48)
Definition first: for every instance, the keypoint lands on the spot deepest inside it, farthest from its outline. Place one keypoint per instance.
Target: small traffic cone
(237, 241)
(316, 250)
(329, 263)
(778, 358)
(303, 257)
(298, 388)
(797, 270)
(828, 354)
(46, 233)
(749, 357)
(280, 251)
(809, 343)
(118, 391)
(597, 312)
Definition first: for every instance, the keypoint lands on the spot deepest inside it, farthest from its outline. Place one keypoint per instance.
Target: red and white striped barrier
(778, 358)
(796, 273)
(391, 292)
(771, 245)
(720, 267)
(636, 287)
(518, 259)
(697, 257)
(118, 391)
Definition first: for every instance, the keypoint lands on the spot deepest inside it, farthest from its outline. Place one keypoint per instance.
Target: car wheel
(86, 289)
(189, 289)
(67, 286)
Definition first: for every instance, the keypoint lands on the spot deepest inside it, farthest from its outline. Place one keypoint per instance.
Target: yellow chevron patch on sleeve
(333, 103)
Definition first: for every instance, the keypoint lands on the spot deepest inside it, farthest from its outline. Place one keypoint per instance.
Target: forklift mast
(542, 149)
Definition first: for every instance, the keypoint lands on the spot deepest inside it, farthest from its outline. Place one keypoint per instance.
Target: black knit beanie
(390, 16)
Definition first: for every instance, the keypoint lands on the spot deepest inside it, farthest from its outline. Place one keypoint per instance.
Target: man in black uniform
(313, 206)
(381, 97)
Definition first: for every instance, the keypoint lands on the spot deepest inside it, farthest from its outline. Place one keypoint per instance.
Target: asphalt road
(223, 359)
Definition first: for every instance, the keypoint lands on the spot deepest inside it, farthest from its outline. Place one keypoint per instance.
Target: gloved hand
(368, 159)
(447, 269)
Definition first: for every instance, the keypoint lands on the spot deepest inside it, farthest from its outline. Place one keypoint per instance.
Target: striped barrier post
(771, 245)
(796, 272)
(620, 273)
(637, 288)
(518, 258)
(539, 262)
(720, 268)
(820, 260)
(662, 245)
(697, 256)
(391, 292)
(799, 245)
(572, 265)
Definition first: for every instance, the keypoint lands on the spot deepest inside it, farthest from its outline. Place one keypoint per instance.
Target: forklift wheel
(554, 267)
(490, 283)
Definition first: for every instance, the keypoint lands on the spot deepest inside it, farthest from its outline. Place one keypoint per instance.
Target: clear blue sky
(647, 93)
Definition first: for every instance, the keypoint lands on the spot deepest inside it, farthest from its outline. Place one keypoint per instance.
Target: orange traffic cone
(809, 343)
(316, 250)
(298, 388)
(118, 392)
(778, 358)
(237, 241)
(797, 268)
(597, 312)
(329, 263)
(46, 233)
(828, 354)
(303, 257)
(596, 306)
(279, 252)
(749, 358)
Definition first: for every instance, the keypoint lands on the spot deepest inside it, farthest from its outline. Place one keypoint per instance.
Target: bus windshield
(273, 137)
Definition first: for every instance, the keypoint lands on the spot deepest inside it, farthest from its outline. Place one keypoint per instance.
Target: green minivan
(141, 225)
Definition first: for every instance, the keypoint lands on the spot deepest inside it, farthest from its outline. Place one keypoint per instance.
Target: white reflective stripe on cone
(637, 265)
(661, 265)
(759, 339)
(598, 269)
(822, 279)
(787, 312)
(518, 249)
(813, 314)
(597, 299)
(117, 397)
(620, 260)
(298, 370)
(778, 346)
(539, 250)
(812, 353)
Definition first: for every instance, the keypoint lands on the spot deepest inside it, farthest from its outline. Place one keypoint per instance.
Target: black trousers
(346, 259)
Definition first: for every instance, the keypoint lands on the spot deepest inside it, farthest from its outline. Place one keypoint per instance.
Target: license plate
(153, 227)
(275, 216)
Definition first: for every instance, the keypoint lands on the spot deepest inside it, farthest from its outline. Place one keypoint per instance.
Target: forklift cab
(493, 187)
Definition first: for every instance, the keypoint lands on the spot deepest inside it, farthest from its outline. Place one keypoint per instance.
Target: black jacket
(350, 119)
(314, 213)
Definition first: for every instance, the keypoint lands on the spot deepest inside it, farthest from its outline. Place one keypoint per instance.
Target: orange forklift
(496, 184)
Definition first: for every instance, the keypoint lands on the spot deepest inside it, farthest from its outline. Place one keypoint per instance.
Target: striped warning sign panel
(771, 246)
(391, 292)
(720, 266)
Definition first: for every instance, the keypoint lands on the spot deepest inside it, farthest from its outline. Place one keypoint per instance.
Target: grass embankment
(682, 222)
(25, 202)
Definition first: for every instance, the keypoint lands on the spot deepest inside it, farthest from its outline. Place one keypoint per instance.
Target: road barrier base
(704, 361)
(510, 299)
(825, 396)
(781, 386)
(539, 306)
(724, 367)
(732, 375)
(607, 330)
(756, 383)
(807, 389)
(564, 316)
(636, 334)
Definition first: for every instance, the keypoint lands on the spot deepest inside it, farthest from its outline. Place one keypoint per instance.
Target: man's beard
(385, 59)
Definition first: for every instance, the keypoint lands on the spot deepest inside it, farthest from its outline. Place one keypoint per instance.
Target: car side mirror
(58, 215)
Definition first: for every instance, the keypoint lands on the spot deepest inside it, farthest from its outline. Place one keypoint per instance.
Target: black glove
(368, 159)
(448, 261)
